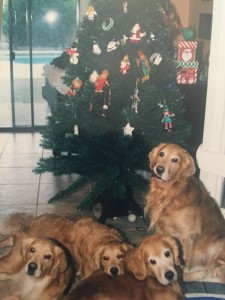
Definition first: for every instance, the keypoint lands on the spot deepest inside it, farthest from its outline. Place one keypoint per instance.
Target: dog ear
(97, 256)
(187, 167)
(175, 248)
(60, 263)
(153, 154)
(136, 264)
(26, 243)
(126, 247)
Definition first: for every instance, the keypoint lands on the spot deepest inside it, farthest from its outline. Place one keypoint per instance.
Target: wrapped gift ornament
(187, 50)
(187, 64)
(187, 76)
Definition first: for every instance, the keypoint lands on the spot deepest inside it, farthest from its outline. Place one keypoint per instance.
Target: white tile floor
(21, 190)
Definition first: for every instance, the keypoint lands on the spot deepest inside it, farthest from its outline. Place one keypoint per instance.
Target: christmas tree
(122, 100)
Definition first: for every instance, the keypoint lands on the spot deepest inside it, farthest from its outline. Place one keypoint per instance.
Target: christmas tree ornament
(135, 98)
(128, 129)
(91, 13)
(105, 108)
(152, 36)
(93, 77)
(107, 24)
(136, 33)
(107, 100)
(188, 34)
(124, 65)
(76, 130)
(167, 119)
(156, 58)
(90, 107)
(73, 54)
(124, 39)
(143, 62)
(71, 92)
(77, 84)
(125, 8)
(101, 81)
(112, 45)
(160, 105)
(96, 49)
(131, 218)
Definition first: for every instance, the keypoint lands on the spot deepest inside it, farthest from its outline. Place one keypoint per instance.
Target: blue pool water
(36, 57)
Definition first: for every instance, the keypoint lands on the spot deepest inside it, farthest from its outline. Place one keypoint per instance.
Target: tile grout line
(39, 186)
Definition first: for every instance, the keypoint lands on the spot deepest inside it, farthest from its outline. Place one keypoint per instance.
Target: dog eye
(47, 256)
(167, 253)
(32, 250)
(152, 261)
(175, 160)
(161, 153)
(105, 258)
(120, 256)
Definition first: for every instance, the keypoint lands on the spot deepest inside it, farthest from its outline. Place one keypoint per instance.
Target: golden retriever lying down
(151, 274)
(179, 205)
(94, 246)
(38, 269)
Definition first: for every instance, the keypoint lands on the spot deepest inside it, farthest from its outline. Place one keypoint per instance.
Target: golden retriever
(39, 268)
(157, 256)
(179, 205)
(94, 246)
(151, 274)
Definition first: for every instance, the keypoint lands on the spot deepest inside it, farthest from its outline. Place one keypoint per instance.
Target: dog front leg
(196, 275)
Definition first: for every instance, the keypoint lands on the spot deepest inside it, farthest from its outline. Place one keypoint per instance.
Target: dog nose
(32, 267)
(169, 275)
(114, 271)
(160, 170)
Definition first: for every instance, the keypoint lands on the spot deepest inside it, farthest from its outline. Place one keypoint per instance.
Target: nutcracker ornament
(167, 119)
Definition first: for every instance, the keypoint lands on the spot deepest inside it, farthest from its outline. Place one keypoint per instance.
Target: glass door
(33, 32)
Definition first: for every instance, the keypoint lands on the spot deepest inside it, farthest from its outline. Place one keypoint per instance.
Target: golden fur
(157, 256)
(179, 205)
(37, 269)
(150, 275)
(94, 246)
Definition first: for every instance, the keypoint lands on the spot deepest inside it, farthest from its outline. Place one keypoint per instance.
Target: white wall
(83, 8)
(211, 154)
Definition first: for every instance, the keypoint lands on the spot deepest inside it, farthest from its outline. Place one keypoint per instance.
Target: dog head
(43, 257)
(110, 257)
(170, 162)
(157, 256)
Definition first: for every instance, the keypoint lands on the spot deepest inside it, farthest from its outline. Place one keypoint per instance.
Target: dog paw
(205, 273)
(195, 275)
(216, 272)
